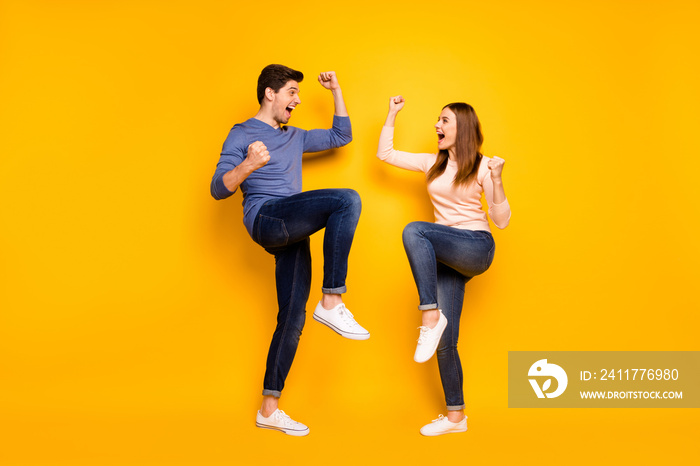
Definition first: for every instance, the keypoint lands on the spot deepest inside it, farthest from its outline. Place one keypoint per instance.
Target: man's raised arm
(329, 80)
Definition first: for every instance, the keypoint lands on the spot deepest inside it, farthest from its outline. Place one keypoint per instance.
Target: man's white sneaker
(429, 339)
(442, 425)
(281, 422)
(340, 320)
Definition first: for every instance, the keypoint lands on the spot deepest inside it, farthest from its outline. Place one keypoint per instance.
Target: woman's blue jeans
(443, 259)
(283, 227)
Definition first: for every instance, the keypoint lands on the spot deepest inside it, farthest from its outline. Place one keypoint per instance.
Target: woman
(446, 254)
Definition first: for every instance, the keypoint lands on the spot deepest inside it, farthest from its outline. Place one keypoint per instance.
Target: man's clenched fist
(258, 156)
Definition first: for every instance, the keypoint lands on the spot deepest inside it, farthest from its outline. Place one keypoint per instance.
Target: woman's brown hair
(467, 146)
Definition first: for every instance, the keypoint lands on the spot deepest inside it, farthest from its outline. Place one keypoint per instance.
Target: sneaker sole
(294, 433)
(351, 336)
(443, 433)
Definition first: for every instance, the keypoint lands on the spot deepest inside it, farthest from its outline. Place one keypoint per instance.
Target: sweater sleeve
(499, 213)
(405, 160)
(340, 134)
(232, 154)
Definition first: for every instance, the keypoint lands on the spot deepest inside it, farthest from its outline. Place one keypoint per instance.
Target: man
(264, 159)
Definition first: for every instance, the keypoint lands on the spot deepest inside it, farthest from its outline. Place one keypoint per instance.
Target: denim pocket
(271, 232)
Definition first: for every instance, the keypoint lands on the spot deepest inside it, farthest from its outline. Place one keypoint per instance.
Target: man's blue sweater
(281, 176)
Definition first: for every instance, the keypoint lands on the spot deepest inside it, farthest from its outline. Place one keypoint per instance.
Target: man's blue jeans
(443, 259)
(283, 227)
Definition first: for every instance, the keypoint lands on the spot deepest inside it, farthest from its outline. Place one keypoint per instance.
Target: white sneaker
(442, 425)
(429, 339)
(340, 320)
(281, 422)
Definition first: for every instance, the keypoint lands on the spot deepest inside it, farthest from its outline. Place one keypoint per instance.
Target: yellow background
(136, 312)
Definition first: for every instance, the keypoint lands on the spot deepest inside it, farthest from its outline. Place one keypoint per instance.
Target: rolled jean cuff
(455, 408)
(426, 307)
(339, 290)
(274, 393)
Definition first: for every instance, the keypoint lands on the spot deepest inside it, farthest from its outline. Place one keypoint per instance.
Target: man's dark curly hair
(275, 77)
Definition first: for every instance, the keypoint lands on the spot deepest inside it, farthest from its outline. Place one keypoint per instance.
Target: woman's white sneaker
(340, 320)
(281, 422)
(429, 339)
(442, 425)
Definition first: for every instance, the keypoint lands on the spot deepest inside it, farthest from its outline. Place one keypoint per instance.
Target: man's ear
(270, 94)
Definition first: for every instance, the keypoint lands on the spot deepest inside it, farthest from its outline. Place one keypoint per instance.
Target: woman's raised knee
(411, 232)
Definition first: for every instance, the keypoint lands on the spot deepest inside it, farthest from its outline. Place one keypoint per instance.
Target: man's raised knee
(352, 197)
